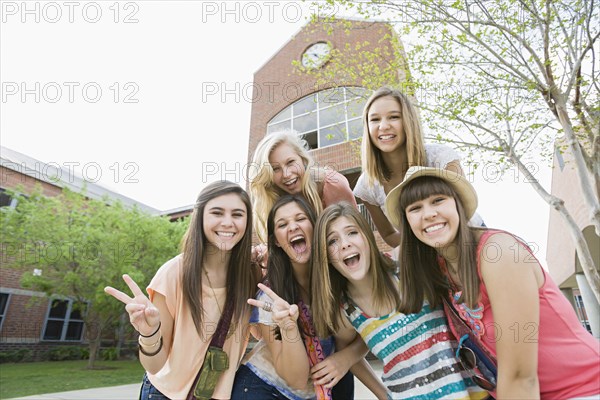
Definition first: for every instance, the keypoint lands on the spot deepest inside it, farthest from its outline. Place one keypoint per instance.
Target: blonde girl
(282, 165)
(392, 142)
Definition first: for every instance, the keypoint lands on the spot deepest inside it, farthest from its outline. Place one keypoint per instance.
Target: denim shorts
(248, 386)
(149, 392)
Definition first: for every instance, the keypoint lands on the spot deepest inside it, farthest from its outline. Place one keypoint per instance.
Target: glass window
(282, 126)
(309, 103)
(3, 306)
(65, 320)
(285, 114)
(333, 134)
(6, 200)
(58, 309)
(312, 139)
(324, 118)
(306, 123)
(331, 115)
(355, 128)
(355, 108)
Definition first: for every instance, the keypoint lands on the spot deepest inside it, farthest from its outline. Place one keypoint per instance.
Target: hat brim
(459, 183)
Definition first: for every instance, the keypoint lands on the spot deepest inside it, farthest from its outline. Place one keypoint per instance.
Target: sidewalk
(132, 392)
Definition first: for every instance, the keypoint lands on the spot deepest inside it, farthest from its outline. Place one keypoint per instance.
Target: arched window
(324, 118)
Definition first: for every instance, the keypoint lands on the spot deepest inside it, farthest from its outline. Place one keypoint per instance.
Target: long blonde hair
(263, 192)
(373, 166)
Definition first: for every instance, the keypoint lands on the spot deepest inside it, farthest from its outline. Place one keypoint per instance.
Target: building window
(6, 200)
(324, 118)
(581, 313)
(4, 297)
(64, 321)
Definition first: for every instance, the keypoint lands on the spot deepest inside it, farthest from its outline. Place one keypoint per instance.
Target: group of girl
(328, 295)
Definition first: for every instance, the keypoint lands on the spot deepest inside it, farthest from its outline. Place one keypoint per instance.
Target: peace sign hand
(282, 313)
(144, 317)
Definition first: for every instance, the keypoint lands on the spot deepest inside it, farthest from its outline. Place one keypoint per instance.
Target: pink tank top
(568, 355)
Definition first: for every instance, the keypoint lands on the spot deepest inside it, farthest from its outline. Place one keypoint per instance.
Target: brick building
(29, 319)
(327, 115)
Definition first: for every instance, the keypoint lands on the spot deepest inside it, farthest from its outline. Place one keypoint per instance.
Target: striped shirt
(417, 354)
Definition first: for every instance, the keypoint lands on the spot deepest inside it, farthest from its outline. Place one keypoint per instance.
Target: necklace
(213, 291)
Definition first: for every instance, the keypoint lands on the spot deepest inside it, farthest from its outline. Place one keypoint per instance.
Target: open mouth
(298, 243)
(291, 182)
(352, 260)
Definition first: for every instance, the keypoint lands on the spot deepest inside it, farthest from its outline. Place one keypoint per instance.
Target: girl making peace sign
(188, 295)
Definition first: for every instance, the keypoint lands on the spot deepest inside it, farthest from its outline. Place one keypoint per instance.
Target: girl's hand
(329, 371)
(260, 255)
(144, 317)
(282, 313)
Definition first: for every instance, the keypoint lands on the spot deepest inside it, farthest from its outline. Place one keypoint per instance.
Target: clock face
(316, 55)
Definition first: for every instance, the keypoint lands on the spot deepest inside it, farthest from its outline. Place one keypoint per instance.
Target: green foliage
(64, 353)
(488, 76)
(15, 356)
(109, 354)
(81, 245)
(514, 79)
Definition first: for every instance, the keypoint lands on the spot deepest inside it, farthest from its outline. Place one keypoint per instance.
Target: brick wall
(277, 85)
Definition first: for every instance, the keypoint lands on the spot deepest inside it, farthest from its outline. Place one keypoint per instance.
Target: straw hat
(459, 183)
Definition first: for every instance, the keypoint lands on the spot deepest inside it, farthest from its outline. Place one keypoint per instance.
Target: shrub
(20, 355)
(109, 354)
(63, 353)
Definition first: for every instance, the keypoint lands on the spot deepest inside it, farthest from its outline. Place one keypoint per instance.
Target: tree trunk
(121, 334)
(590, 196)
(94, 349)
(583, 250)
(94, 336)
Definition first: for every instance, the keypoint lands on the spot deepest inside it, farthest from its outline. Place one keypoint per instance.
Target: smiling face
(385, 124)
(348, 250)
(288, 169)
(293, 232)
(225, 218)
(434, 220)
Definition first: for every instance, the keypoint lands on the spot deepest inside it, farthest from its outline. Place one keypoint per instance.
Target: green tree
(511, 78)
(80, 246)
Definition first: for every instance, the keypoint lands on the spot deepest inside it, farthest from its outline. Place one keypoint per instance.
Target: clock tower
(287, 94)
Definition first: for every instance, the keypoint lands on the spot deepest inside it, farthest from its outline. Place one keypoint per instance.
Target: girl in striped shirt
(352, 279)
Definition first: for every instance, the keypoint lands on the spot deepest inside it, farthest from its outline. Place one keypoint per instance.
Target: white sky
(177, 137)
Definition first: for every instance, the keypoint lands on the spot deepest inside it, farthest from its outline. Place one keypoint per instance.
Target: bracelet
(141, 343)
(144, 352)
(153, 333)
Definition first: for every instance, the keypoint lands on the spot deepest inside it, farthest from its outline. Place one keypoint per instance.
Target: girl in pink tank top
(496, 285)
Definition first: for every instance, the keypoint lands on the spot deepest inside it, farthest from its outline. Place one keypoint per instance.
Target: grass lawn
(25, 379)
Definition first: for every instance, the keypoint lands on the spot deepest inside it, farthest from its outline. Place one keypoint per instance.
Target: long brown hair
(241, 274)
(280, 273)
(329, 287)
(420, 275)
(373, 166)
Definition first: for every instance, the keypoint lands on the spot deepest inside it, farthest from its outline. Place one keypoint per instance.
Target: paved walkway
(131, 392)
